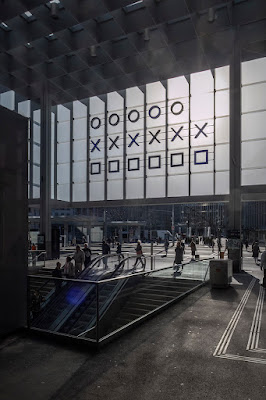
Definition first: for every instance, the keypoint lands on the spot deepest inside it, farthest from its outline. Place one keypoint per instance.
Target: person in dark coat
(35, 303)
(166, 245)
(183, 246)
(87, 254)
(255, 251)
(193, 249)
(105, 251)
(178, 255)
(57, 273)
(263, 268)
(119, 251)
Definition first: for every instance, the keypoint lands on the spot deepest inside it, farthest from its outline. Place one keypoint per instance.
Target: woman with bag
(139, 254)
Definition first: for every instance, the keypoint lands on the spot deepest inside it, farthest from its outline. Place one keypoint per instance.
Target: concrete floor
(168, 357)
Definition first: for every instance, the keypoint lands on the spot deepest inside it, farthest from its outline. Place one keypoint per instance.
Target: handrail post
(97, 313)
(151, 255)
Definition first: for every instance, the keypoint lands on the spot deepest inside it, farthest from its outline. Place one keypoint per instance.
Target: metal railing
(36, 256)
(118, 302)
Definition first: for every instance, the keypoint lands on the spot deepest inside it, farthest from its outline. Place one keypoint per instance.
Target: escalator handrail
(99, 259)
(96, 261)
(110, 299)
(117, 268)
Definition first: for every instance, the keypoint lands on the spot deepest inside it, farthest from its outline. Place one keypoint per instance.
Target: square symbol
(113, 166)
(154, 162)
(95, 168)
(133, 164)
(201, 157)
(177, 159)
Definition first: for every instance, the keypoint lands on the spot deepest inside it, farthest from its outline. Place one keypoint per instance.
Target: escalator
(46, 287)
(93, 311)
(82, 321)
(136, 299)
(61, 305)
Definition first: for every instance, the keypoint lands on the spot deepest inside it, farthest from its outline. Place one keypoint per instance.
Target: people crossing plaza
(105, 251)
(139, 256)
(79, 259)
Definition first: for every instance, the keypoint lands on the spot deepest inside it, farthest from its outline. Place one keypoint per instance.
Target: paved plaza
(211, 345)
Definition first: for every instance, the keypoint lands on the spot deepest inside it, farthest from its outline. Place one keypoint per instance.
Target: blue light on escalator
(75, 295)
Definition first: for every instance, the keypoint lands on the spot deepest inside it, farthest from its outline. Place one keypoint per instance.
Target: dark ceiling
(82, 48)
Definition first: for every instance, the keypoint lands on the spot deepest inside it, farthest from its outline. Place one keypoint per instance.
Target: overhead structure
(83, 48)
(138, 102)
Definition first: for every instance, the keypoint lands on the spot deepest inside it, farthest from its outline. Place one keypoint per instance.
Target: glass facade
(165, 141)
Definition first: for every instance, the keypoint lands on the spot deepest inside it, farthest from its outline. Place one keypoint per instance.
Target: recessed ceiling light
(5, 27)
(51, 37)
(27, 15)
(136, 5)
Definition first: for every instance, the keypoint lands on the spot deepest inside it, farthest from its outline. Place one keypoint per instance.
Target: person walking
(119, 251)
(166, 245)
(35, 303)
(87, 255)
(69, 269)
(263, 267)
(105, 251)
(139, 254)
(193, 249)
(255, 251)
(79, 258)
(212, 244)
(178, 256)
(183, 246)
(57, 273)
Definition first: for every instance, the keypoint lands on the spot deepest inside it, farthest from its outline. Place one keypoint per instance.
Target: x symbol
(95, 145)
(177, 133)
(133, 140)
(154, 136)
(201, 130)
(114, 143)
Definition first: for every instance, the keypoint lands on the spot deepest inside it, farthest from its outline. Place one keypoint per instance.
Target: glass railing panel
(61, 306)
(97, 308)
(141, 293)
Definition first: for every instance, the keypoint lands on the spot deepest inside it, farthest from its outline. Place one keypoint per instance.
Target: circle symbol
(181, 108)
(95, 123)
(155, 115)
(117, 119)
(130, 116)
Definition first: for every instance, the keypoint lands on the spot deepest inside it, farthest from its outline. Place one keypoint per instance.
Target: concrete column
(234, 210)
(45, 184)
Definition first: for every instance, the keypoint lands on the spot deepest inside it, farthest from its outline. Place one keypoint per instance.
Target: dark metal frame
(98, 341)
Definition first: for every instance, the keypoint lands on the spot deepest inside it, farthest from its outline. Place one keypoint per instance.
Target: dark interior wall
(13, 220)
